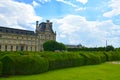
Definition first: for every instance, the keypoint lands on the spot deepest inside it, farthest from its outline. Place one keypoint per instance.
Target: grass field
(105, 71)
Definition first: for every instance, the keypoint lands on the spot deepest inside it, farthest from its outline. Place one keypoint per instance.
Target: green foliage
(87, 49)
(90, 58)
(63, 60)
(110, 48)
(102, 56)
(106, 71)
(23, 64)
(1, 66)
(117, 49)
(38, 62)
(32, 64)
(8, 65)
(3, 53)
(112, 55)
(53, 45)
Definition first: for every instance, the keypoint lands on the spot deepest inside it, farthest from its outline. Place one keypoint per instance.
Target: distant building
(74, 46)
(24, 40)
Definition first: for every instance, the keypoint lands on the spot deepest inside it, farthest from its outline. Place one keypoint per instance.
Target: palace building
(24, 40)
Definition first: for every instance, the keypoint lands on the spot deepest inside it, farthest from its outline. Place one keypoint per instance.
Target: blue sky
(86, 22)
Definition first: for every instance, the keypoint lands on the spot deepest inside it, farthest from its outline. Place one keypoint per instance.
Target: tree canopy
(53, 45)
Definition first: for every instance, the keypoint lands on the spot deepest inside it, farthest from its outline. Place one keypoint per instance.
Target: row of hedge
(17, 64)
(63, 60)
(23, 64)
(107, 48)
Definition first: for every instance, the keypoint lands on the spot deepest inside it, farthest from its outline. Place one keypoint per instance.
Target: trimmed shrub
(23, 64)
(116, 55)
(8, 65)
(102, 56)
(1, 68)
(37, 62)
(112, 55)
(31, 65)
(91, 58)
(109, 56)
(63, 60)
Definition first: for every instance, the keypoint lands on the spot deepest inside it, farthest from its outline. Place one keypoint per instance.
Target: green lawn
(105, 71)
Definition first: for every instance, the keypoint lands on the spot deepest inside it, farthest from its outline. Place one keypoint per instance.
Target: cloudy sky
(86, 22)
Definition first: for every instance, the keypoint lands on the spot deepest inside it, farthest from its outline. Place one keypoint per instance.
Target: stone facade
(24, 40)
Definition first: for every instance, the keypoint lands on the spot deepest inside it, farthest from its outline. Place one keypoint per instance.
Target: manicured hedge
(112, 55)
(32, 65)
(24, 64)
(102, 56)
(93, 58)
(89, 58)
(14, 63)
(8, 65)
(1, 68)
(63, 60)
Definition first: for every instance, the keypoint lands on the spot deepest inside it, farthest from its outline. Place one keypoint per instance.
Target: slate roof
(42, 27)
(16, 31)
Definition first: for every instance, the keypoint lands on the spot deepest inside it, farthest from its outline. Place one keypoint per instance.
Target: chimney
(37, 25)
(47, 21)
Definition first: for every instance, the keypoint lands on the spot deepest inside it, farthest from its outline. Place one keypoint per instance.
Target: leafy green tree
(53, 45)
(109, 48)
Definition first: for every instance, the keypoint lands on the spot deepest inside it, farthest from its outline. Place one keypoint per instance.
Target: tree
(109, 48)
(53, 45)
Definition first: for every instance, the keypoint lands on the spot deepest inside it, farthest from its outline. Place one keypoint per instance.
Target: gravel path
(115, 62)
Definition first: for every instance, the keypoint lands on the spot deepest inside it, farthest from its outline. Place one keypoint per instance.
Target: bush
(32, 65)
(8, 65)
(53, 45)
(102, 56)
(38, 62)
(63, 60)
(1, 66)
(24, 64)
(112, 55)
(109, 48)
(92, 58)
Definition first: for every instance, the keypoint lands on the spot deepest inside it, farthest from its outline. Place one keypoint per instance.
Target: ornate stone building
(24, 40)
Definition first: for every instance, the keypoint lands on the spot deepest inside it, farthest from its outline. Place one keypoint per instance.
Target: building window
(22, 48)
(5, 47)
(11, 48)
(0, 46)
(16, 48)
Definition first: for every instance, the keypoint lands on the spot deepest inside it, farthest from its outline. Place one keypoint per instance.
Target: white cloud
(35, 4)
(75, 29)
(44, 1)
(77, 8)
(17, 15)
(115, 5)
(80, 9)
(68, 3)
(82, 1)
